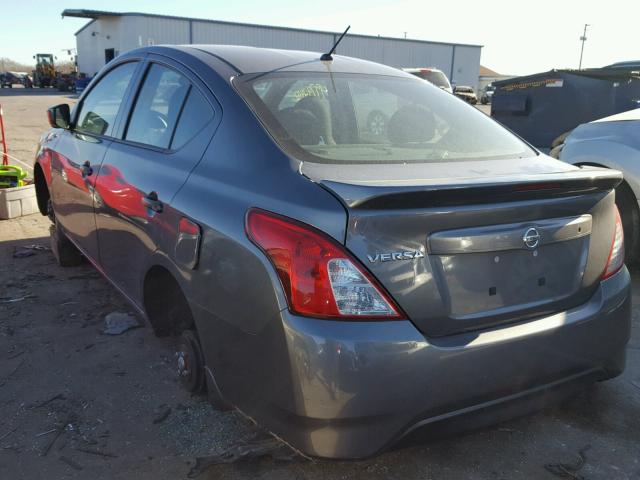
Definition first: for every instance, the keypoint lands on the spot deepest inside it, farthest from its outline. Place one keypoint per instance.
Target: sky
(518, 38)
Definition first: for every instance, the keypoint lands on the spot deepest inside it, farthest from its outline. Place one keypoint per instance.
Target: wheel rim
(183, 364)
(190, 363)
(377, 124)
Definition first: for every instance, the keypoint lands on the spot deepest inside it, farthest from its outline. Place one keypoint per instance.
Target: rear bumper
(356, 388)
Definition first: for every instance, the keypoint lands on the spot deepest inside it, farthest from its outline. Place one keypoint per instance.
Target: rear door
(171, 121)
(79, 152)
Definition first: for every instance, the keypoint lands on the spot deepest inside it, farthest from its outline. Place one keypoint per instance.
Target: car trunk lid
(460, 249)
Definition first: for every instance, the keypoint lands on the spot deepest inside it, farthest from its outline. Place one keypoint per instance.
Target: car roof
(619, 117)
(421, 69)
(245, 60)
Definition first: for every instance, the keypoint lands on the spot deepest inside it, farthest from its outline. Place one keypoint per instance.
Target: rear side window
(158, 107)
(195, 115)
(100, 107)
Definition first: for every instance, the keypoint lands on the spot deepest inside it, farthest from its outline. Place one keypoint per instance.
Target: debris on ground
(47, 447)
(163, 415)
(5, 435)
(263, 444)
(71, 463)
(28, 250)
(6, 378)
(568, 470)
(15, 299)
(91, 451)
(15, 355)
(116, 323)
(58, 396)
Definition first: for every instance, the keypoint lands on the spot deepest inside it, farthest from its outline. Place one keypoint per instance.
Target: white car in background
(611, 142)
(432, 75)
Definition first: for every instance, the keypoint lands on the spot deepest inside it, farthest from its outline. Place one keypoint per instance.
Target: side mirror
(59, 116)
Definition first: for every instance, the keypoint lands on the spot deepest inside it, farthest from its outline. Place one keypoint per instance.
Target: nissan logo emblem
(531, 238)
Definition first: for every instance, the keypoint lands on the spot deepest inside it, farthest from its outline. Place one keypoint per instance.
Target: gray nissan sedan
(342, 284)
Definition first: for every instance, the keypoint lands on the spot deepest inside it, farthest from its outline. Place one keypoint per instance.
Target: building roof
(95, 14)
(487, 72)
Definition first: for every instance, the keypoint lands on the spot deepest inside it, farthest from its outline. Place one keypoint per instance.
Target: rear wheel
(628, 206)
(190, 362)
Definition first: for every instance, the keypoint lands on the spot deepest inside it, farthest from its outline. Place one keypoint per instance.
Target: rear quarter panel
(234, 292)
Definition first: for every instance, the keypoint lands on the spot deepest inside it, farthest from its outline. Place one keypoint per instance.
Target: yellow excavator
(45, 73)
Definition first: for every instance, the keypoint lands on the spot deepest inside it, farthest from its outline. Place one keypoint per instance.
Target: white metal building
(109, 34)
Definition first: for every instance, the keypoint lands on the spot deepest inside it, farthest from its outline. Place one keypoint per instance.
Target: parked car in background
(9, 79)
(432, 75)
(611, 142)
(341, 286)
(465, 93)
(377, 106)
(487, 94)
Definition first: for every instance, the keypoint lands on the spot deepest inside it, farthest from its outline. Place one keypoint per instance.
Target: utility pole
(584, 39)
(405, 34)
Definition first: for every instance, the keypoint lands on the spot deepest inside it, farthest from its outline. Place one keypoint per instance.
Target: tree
(8, 65)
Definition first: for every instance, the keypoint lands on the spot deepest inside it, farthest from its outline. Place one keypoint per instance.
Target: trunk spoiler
(470, 192)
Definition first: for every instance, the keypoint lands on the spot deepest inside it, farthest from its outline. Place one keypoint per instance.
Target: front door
(169, 128)
(79, 152)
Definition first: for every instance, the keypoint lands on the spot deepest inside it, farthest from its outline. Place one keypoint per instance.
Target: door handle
(151, 201)
(86, 169)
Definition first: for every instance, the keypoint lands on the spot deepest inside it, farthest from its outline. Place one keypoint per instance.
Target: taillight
(616, 254)
(320, 278)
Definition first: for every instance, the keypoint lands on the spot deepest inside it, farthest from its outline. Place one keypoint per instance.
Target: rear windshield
(439, 79)
(355, 118)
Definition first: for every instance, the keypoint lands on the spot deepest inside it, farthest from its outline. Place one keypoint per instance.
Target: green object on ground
(11, 176)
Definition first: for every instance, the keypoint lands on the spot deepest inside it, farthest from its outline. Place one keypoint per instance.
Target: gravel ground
(81, 404)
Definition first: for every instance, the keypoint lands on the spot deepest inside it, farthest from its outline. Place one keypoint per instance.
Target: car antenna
(326, 57)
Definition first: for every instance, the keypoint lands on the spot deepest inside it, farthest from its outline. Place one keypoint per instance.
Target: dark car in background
(9, 79)
(487, 94)
(465, 93)
(339, 285)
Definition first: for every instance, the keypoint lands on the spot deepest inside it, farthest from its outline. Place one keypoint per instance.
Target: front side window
(100, 107)
(359, 118)
(157, 107)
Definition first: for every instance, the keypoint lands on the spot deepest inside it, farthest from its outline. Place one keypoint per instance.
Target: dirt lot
(77, 403)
